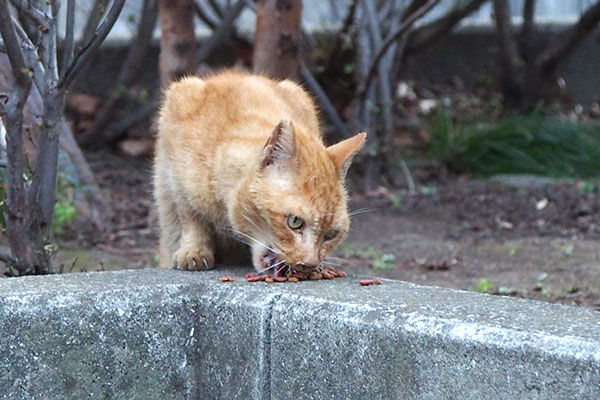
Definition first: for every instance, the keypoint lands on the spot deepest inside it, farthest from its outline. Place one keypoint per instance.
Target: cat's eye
(295, 222)
(331, 234)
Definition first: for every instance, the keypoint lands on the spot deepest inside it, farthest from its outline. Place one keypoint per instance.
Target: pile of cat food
(287, 274)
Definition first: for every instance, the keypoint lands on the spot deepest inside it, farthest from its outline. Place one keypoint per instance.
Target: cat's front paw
(193, 259)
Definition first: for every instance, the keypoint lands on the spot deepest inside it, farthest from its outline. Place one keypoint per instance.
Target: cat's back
(234, 98)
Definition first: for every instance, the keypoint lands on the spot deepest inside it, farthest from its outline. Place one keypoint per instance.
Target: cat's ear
(281, 145)
(343, 152)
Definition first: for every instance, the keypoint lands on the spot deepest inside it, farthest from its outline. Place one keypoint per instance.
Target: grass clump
(533, 144)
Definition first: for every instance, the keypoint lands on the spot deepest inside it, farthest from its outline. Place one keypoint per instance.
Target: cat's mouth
(271, 262)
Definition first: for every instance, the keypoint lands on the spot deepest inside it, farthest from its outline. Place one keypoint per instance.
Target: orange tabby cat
(241, 156)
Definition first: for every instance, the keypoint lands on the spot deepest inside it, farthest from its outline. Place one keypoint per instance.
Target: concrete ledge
(158, 334)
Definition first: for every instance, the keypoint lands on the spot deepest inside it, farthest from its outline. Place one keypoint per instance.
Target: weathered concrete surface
(157, 334)
(149, 334)
(403, 341)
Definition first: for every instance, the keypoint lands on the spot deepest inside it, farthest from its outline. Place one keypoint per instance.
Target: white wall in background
(327, 14)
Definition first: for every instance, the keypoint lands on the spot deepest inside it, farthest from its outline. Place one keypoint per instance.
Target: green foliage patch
(533, 144)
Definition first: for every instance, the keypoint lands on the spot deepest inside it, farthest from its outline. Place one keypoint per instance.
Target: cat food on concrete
(289, 275)
(369, 282)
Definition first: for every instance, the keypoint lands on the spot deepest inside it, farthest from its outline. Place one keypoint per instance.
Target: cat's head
(295, 209)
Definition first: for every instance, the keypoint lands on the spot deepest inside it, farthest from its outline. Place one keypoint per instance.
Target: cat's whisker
(250, 220)
(342, 260)
(331, 264)
(271, 267)
(251, 238)
(361, 211)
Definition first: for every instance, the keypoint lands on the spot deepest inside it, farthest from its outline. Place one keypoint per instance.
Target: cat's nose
(311, 260)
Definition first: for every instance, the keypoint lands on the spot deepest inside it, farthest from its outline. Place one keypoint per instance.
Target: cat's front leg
(196, 246)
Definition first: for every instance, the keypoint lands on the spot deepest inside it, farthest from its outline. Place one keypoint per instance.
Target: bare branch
(216, 9)
(413, 7)
(423, 36)
(84, 54)
(392, 37)
(341, 35)
(67, 55)
(569, 40)
(384, 67)
(98, 10)
(129, 70)
(224, 29)
(31, 12)
(140, 115)
(31, 57)
(204, 17)
(324, 101)
(49, 50)
(13, 47)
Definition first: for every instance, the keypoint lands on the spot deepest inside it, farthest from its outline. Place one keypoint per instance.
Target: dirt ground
(518, 237)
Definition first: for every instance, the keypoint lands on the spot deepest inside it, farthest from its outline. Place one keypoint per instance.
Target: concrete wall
(158, 334)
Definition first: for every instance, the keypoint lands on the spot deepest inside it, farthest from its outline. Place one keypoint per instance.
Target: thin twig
(425, 35)
(69, 36)
(112, 131)
(224, 30)
(86, 52)
(385, 91)
(204, 17)
(13, 47)
(31, 12)
(341, 35)
(392, 37)
(97, 11)
(129, 70)
(324, 101)
(216, 9)
(569, 40)
(31, 56)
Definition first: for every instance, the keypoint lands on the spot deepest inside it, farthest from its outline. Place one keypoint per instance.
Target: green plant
(484, 286)
(586, 187)
(396, 202)
(65, 210)
(427, 190)
(64, 213)
(513, 249)
(384, 262)
(531, 144)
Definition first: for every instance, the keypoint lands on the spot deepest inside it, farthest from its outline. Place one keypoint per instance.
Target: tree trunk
(177, 42)
(31, 200)
(277, 38)
(508, 53)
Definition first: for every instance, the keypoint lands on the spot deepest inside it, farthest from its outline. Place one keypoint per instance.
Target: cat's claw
(193, 259)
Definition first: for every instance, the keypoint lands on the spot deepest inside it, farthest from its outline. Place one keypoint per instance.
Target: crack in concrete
(265, 362)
